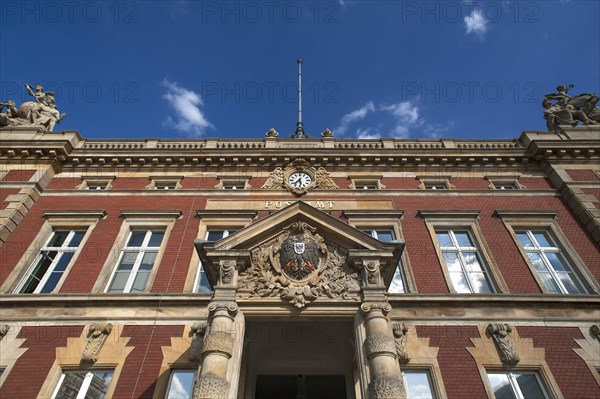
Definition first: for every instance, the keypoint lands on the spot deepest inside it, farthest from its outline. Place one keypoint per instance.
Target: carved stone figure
(323, 181)
(97, 334)
(272, 133)
(327, 133)
(197, 332)
(506, 348)
(275, 181)
(283, 267)
(562, 109)
(372, 272)
(41, 113)
(4, 329)
(595, 329)
(400, 331)
(227, 271)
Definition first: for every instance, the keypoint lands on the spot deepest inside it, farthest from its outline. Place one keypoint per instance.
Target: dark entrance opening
(300, 387)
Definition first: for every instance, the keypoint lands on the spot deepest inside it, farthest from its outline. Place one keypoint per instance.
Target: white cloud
(476, 24)
(189, 117)
(354, 116)
(367, 134)
(406, 115)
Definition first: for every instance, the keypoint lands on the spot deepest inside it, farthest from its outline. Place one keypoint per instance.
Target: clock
(299, 180)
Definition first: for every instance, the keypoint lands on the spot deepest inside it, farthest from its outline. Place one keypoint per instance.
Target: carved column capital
(500, 333)
(197, 333)
(368, 307)
(96, 336)
(400, 337)
(230, 307)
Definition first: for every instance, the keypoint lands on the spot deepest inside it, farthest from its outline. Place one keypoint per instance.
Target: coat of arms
(299, 256)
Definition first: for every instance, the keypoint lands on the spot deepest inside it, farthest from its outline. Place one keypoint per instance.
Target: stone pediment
(299, 253)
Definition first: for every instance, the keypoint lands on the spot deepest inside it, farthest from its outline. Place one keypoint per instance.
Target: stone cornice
(521, 213)
(140, 213)
(75, 214)
(448, 214)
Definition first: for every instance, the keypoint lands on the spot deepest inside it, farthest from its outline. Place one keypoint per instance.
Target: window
(463, 262)
(366, 182)
(52, 261)
(96, 186)
(436, 186)
(398, 284)
(504, 183)
(136, 261)
(83, 385)
(181, 384)
(164, 183)
(96, 183)
(202, 285)
(233, 183)
(435, 182)
(522, 385)
(549, 262)
(417, 384)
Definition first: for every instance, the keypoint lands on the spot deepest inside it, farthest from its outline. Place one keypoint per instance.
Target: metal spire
(299, 133)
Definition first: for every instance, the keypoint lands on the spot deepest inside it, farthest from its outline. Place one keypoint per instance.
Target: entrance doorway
(300, 386)
(298, 360)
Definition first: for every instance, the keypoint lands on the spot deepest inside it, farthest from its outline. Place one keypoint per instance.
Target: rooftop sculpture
(41, 113)
(562, 109)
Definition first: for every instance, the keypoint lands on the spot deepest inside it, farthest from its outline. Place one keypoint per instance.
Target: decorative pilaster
(506, 348)
(96, 336)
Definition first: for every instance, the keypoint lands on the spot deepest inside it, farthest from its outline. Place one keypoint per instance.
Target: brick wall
(19, 175)
(582, 175)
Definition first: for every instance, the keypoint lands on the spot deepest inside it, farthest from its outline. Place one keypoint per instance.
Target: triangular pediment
(296, 246)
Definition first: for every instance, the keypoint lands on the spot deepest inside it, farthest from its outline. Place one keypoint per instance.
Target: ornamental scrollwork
(319, 178)
(298, 266)
(197, 333)
(504, 343)
(400, 337)
(96, 336)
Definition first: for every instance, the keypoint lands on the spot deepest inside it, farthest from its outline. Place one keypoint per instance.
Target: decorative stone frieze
(386, 388)
(595, 330)
(197, 334)
(506, 348)
(211, 387)
(96, 336)
(400, 337)
(218, 342)
(380, 344)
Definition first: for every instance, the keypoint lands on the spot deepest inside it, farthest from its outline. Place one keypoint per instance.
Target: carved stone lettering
(96, 336)
(197, 334)
(386, 388)
(379, 343)
(218, 341)
(506, 348)
(211, 387)
(400, 331)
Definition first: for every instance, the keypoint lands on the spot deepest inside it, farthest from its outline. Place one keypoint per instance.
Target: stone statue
(327, 133)
(41, 113)
(562, 109)
(272, 133)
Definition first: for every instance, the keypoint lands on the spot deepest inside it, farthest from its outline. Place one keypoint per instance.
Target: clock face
(299, 180)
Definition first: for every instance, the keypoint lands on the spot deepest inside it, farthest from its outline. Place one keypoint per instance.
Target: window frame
(137, 220)
(135, 268)
(436, 220)
(86, 381)
(55, 220)
(536, 220)
(226, 232)
(60, 253)
(214, 220)
(172, 371)
(240, 182)
(512, 380)
(430, 379)
(361, 181)
(386, 220)
(104, 182)
(426, 181)
(156, 181)
(399, 270)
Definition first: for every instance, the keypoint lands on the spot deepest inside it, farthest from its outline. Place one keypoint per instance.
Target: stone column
(222, 339)
(379, 345)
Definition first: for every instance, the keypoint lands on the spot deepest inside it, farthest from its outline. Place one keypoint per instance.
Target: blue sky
(410, 69)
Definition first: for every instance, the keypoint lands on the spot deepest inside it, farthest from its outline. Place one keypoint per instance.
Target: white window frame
(173, 372)
(60, 252)
(429, 380)
(465, 220)
(540, 220)
(226, 232)
(458, 250)
(516, 390)
(85, 385)
(141, 252)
